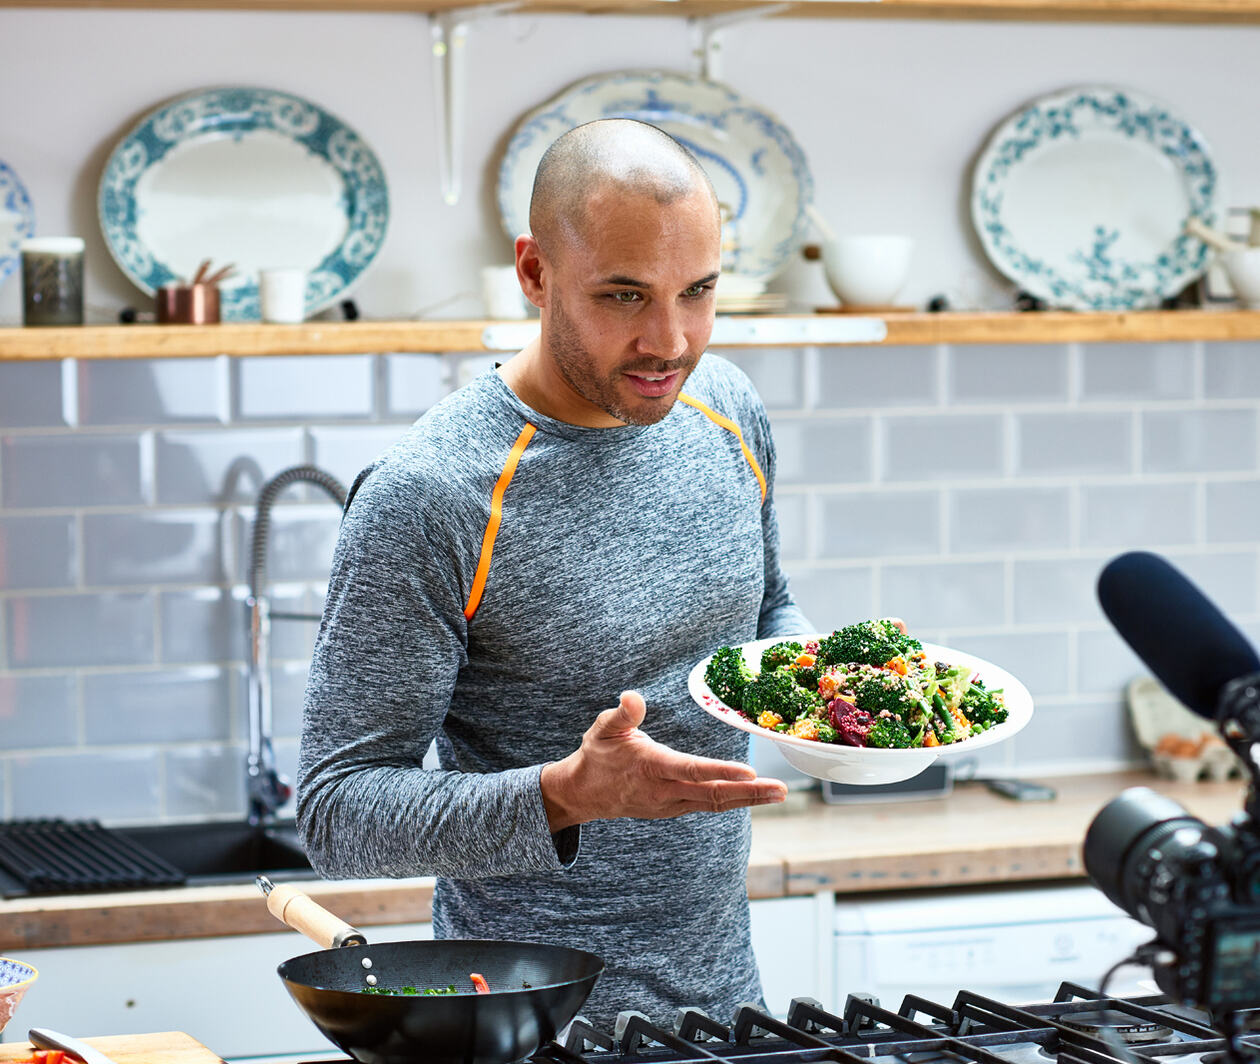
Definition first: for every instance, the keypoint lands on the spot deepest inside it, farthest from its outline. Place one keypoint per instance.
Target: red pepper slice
(479, 981)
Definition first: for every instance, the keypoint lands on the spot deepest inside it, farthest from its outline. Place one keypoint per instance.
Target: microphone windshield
(1170, 624)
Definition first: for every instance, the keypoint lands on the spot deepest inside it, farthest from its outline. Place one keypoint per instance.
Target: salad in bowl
(865, 704)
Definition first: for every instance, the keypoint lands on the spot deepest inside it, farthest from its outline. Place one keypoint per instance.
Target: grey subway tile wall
(865, 378)
(1001, 373)
(206, 467)
(1198, 441)
(932, 446)
(38, 711)
(73, 470)
(1137, 371)
(152, 392)
(38, 552)
(414, 382)
(1069, 443)
(166, 706)
(31, 396)
(975, 491)
(299, 388)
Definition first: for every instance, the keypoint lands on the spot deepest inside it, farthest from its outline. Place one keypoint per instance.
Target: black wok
(535, 990)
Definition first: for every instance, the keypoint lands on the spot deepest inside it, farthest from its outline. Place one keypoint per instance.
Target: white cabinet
(792, 940)
(223, 991)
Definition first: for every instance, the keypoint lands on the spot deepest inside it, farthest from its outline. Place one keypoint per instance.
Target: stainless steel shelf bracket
(449, 33)
(706, 39)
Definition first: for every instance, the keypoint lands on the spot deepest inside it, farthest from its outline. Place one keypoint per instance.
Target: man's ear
(531, 270)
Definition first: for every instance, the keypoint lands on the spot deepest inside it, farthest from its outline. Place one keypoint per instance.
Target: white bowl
(867, 270)
(854, 764)
(1243, 268)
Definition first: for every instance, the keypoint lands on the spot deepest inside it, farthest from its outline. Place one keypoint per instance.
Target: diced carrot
(897, 664)
(930, 739)
(806, 660)
(479, 981)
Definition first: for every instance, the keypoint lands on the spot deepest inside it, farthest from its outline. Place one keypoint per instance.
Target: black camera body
(1198, 887)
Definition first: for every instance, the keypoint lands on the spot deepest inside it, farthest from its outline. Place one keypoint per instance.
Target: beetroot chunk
(852, 724)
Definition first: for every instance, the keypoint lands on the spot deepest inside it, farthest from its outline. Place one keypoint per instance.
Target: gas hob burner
(1129, 1029)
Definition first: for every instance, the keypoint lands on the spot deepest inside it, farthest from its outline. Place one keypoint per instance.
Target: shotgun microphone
(1172, 626)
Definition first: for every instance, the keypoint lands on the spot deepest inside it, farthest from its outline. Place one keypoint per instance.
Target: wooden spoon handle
(302, 913)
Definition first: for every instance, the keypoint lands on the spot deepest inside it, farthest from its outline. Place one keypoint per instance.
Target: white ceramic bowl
(853, 764)
(16, 978)
(867, 270)
(1243, 268)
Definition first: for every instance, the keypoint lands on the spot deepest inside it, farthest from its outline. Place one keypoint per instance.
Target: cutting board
(169, 1047)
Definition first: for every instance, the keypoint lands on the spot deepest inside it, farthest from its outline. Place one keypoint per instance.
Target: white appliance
(1016, 945)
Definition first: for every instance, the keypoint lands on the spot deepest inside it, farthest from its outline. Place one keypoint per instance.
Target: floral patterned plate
(757, 168)
(1080, 198)
(17, 219)
(248, 176)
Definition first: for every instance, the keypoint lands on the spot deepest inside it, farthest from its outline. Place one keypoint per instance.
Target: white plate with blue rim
(1080, 198)
(17, 219)
(249, 176)
(757, 168)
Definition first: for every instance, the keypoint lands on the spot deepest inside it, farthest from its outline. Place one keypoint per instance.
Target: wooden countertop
(969, 838)
(170, 1047)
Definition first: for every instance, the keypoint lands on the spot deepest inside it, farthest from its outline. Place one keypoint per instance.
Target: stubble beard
(575, 365)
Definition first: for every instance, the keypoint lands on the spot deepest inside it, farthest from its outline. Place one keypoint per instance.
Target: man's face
(629, 307)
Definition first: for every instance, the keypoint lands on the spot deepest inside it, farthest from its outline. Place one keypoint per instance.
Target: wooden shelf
(341, 338)
(1207, 11)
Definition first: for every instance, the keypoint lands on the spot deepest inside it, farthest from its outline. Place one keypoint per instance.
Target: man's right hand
(619, 772)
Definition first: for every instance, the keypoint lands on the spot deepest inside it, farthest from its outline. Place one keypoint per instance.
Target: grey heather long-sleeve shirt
(499, 579)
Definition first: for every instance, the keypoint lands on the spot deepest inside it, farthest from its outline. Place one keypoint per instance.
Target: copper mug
(188, 304)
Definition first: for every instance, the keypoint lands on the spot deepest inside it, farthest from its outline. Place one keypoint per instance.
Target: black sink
(225, 851)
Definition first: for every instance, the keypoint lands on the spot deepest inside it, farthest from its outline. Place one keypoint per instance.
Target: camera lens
(1136, 848)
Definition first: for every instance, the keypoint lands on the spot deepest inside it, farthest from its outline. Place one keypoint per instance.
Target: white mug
(867, 270)
(501, 293)
(282, 295)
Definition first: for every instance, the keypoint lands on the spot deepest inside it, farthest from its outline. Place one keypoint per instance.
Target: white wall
(890, 113)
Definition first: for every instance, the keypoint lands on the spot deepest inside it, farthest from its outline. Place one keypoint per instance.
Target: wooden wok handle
(302, 913)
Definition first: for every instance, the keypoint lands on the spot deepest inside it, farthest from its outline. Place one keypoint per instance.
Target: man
(565, 528)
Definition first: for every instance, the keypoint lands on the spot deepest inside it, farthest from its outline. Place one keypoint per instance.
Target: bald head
(616, 155)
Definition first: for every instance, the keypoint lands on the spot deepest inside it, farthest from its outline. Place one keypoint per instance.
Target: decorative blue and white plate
(248, 176)
(1080, 198)
(757, 168)
(17, 219)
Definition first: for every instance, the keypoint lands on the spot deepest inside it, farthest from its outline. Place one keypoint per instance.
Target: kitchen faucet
(266, 789)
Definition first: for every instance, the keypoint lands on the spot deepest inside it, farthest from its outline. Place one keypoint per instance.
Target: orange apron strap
(730, 426)
(496, 516)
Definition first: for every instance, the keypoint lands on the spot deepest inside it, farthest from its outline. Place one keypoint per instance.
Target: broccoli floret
(982, 707)
(870, 643)
(778, 692)
(727, 674)
(807, 676)
(826, 733)
(883, 691)
(779, 655)
(890, 733)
